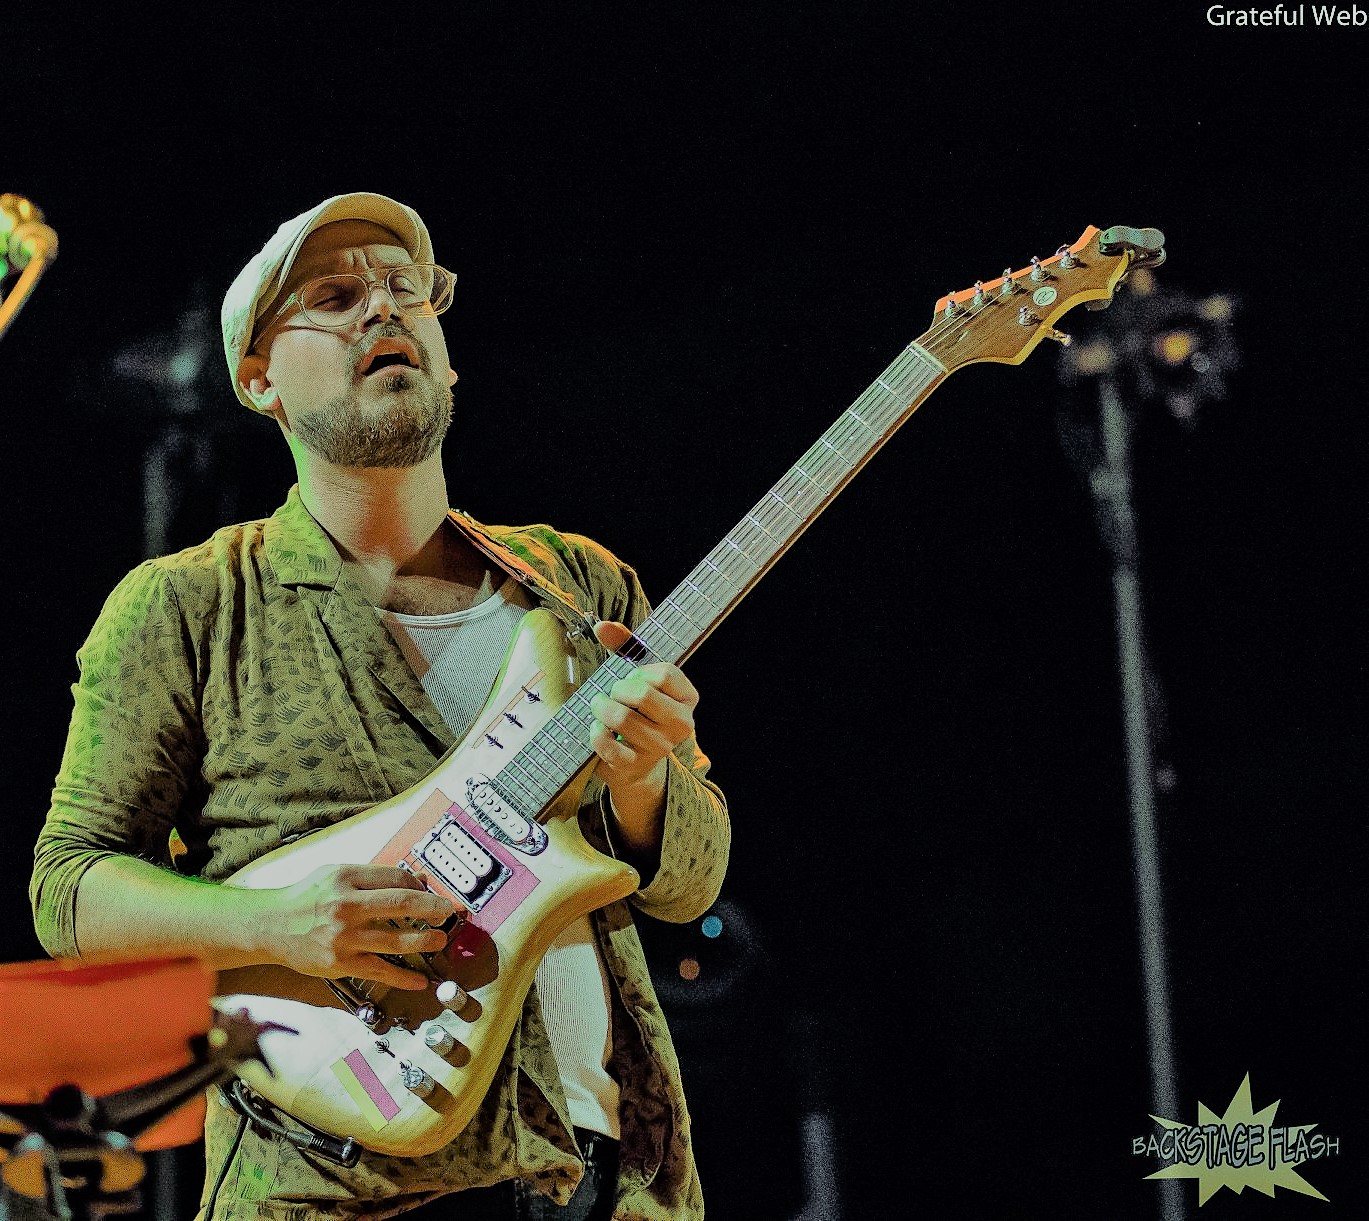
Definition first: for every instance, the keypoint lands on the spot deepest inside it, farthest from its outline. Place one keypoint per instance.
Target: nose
(380, 305)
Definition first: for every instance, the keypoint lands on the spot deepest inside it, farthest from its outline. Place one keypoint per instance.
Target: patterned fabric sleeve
(132, 750)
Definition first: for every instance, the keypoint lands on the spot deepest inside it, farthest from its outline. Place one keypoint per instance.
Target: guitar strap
(577, 622)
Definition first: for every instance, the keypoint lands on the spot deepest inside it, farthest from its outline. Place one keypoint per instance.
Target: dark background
(687, 236)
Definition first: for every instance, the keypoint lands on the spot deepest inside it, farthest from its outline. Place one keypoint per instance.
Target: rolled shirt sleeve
(131, 755)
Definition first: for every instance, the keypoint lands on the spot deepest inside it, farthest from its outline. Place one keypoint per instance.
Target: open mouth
(390, 354)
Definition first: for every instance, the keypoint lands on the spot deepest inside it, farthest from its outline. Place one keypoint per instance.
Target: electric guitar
(493, 828)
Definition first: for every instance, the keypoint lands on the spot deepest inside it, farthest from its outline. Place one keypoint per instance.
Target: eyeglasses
(337, 301)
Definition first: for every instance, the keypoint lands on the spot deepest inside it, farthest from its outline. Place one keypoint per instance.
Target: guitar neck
(1001, 320)
(683, 619)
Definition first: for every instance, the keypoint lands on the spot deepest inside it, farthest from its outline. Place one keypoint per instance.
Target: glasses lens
(333, 300)
(440, 293)
(337, 301)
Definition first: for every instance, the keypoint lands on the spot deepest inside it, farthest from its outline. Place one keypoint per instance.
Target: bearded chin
(407, 433)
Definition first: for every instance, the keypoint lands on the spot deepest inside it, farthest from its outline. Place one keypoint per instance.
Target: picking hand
(339, 919)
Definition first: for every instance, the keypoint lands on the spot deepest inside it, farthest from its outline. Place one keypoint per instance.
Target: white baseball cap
(261, 280)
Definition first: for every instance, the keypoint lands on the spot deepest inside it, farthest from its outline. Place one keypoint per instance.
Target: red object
(103, 1028)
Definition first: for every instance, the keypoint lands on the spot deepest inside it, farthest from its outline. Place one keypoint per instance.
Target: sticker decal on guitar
(359, 1079)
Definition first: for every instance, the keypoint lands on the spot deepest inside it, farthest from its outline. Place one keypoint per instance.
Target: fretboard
(726, 574)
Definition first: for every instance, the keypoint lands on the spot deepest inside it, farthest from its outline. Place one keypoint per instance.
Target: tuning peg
(1025, 317)
(979, 295)
(1067, 260)
(1008, 287)
(1038, 272)
(1059, 336)
(949, 311)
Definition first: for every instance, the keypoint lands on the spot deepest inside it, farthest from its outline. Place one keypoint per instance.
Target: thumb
(612, 635)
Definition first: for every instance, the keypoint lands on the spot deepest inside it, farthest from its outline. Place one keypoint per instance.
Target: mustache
(387, 330)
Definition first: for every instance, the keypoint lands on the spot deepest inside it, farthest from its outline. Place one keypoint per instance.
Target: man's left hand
(636, 725)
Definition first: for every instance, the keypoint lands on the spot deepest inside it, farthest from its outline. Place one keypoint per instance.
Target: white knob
(450, 994)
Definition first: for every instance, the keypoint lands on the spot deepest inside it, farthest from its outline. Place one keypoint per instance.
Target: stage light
(712, 926)
(1174, 347)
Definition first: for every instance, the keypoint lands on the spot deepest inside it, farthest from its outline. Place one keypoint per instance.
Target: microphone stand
(1162, 345)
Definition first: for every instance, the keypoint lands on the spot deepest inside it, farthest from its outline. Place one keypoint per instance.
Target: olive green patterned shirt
(244, 692)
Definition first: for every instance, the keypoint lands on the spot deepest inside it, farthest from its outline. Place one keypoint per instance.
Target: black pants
(519, 1201)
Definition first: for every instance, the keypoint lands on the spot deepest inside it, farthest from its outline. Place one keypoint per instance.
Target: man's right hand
(340, 919)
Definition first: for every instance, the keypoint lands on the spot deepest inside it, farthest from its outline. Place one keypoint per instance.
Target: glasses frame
(427, 310)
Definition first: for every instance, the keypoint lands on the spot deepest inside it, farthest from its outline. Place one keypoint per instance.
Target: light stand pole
(1159, 345)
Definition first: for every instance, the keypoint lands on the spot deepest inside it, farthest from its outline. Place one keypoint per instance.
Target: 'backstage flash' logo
(1237, 1150)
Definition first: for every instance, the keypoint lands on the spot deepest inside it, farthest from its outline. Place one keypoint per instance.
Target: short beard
(409, 432)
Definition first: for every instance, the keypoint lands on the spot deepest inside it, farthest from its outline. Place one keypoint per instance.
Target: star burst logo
(1237, 1150)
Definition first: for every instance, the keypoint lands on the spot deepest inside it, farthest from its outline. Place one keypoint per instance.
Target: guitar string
(909, 368)
(846, 428)
(916, 368)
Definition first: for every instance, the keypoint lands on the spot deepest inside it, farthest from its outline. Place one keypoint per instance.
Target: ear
(451, 377)
(254, 378)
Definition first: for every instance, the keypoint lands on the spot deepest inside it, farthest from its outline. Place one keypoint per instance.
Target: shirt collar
(298, 548)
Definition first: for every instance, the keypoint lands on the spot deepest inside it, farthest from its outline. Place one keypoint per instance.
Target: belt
(595, 1147)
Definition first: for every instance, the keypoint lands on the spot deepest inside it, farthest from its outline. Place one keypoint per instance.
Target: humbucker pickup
(458, 859)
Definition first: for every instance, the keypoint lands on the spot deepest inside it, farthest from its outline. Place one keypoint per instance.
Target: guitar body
(345, 1073)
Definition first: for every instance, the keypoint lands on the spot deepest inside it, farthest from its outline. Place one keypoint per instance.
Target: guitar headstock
(1004, 319)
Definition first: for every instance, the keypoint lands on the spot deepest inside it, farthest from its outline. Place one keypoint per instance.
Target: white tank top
(457, 657)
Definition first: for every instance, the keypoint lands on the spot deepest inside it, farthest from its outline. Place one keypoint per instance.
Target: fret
(760, 527)
(656, 623)
(742, 552)
(725, 569)
(700, 592)
(839, 453)
(791, 492)
(717, 572)
(850, 414)
(810, 479)
(783, 504)
(675, 606)
(533, 747)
